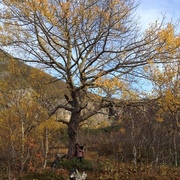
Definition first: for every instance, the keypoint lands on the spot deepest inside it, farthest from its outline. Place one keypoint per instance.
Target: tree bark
(46, 147)
(73, 128)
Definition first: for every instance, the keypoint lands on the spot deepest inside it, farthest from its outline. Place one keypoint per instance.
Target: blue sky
(150, 10)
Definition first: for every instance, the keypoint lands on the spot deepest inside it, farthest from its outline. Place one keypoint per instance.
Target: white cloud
(151, 10)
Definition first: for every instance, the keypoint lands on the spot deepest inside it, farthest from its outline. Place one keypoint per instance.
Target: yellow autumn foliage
(169, 39)
(109, 83)
(51, 124)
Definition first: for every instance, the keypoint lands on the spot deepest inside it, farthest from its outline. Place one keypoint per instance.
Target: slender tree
(85, 43)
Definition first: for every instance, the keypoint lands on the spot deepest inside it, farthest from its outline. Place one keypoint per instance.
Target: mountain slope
(24, 79)
(51, 91)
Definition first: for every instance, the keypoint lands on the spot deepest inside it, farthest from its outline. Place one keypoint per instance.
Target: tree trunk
(73, 127)
(22, 144)
(46, 147)
(133, 142)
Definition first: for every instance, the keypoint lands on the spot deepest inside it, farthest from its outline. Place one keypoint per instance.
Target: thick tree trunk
(72, 133)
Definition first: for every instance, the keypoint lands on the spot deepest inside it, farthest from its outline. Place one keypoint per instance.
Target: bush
(75, 163)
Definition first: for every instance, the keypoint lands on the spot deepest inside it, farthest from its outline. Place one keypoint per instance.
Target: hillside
(53, 88)
(24, 80)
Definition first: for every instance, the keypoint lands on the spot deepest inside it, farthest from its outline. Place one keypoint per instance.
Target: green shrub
(75, 163)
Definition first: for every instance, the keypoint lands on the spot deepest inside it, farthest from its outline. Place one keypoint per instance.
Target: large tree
(92, 45)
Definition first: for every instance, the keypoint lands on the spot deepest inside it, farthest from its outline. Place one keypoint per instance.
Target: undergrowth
(106, 169)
